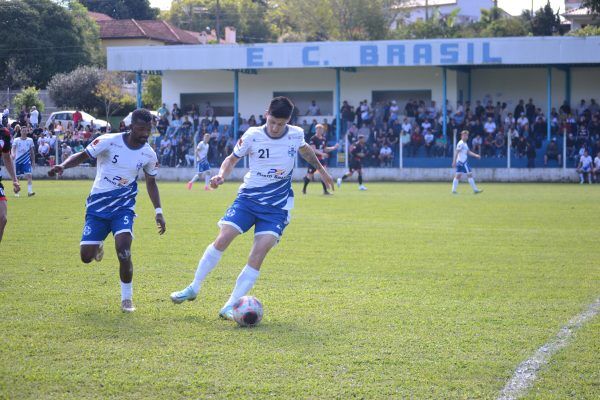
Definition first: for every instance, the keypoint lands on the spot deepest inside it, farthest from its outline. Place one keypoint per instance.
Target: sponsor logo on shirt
(117, 181)
(273, 174)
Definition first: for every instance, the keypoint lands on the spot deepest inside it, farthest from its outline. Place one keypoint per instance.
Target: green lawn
(403, 291)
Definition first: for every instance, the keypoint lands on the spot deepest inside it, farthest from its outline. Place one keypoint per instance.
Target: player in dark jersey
(319, 144)
(357, 152)
(5, 146)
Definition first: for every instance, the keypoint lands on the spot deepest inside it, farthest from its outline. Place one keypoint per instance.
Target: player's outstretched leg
(209, 260)
(90, 252)
(245, 281)
(207, 181)
(325, 191)
(123, 247)
(306, 182)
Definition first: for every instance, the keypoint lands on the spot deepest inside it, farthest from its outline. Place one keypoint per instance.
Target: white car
(67, 116)
(127, 119)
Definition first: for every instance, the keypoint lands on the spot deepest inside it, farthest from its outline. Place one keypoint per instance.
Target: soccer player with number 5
(111, 203)
(264, 200)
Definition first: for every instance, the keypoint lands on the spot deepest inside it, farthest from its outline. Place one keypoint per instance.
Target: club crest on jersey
(230, 212)
(87, 230)
(139, 165)
(292, 151)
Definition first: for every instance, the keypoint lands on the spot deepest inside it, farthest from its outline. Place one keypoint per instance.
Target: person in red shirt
(5, 146)
(77, 117)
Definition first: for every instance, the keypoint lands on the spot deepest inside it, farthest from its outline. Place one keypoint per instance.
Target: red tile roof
(146, 29)
(96, 16)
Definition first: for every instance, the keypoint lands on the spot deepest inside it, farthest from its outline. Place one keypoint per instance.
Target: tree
(76, 89)
(437, 26)
(110, 94)
(152, 96)
(544, 22)
(123, 9)
(39, 39)
(29, 97)
(88, 29)
(592, 5)
(505, 27)
(590, 30)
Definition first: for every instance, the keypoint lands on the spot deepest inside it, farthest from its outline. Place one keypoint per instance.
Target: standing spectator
(519, 109)
(34, 117)
(209, 111)
(163, 111)
(5, 115)
(581, 108)
(488, 145)
(23, 116)
(416, 141)
(530, 151)
(77, 117)
(530, 111)
(313, 109)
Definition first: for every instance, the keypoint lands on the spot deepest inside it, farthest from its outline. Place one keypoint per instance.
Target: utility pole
(218, 21)
(426, 10)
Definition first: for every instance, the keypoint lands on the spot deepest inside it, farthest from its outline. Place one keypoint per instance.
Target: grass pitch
(403, 291)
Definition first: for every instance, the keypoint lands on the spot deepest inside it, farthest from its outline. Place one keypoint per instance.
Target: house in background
(579, 18)
(131, 32)
(411, 11)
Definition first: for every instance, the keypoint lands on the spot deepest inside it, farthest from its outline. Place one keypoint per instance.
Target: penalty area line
(526, 372)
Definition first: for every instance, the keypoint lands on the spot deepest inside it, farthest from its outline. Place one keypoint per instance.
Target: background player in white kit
(585, 167)
(460, 162)
(597, 168)
(111, 203)
(264, 199)
(23, 154)
(203, 165)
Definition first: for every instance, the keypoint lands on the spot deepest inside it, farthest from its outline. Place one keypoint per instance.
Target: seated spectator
(65, 152)
(416, 141)
(43, 152)
(489, 127)
(428, 140)
(441, 145)
(477, 143)
(552, 153)
(500, 144)
(522, 121)
(488, 145)
(386, 156)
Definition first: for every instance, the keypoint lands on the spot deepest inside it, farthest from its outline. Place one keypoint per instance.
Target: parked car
(127, 119)
(67, 116)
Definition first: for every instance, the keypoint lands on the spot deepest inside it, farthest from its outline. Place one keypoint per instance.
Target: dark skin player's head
(141, 124)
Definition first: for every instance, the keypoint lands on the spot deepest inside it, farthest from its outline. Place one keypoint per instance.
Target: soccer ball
(247, 311)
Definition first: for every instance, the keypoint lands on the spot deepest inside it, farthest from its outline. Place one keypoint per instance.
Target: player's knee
(86, 257)
(123, 253)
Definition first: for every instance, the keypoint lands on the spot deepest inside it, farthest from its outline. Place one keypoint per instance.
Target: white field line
(526, 372)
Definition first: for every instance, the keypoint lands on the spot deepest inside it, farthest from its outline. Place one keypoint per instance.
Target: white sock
(454, 184)
(195, 178)
(126, 291)
(472, 183)
(244, 283)
(206, 179)
(580, 178)
(29, 187)
(208, 261)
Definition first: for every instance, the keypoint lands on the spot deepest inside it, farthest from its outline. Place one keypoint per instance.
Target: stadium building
(242, 78)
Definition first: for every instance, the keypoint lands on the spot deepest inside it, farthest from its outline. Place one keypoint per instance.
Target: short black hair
(281, 107)
(141, 115)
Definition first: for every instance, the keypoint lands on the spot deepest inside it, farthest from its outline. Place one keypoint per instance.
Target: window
(401, 96)
(222, 103)
(302, 100)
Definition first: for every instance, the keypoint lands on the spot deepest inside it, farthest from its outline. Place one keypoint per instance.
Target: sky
(511, 6)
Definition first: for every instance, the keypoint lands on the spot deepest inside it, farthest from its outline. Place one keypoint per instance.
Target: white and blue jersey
(586, 163)
(266, 196)
(111, 203)
(23, 155)
(462, 148)
(202, 157)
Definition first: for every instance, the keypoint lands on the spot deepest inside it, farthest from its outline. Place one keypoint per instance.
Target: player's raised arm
(70, 162)
(309, 155)
(226, 167)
